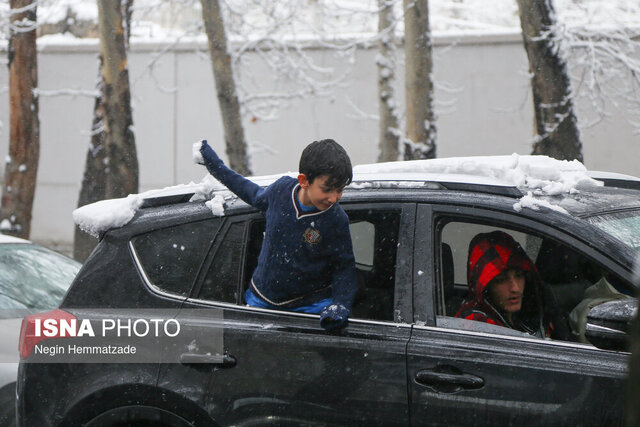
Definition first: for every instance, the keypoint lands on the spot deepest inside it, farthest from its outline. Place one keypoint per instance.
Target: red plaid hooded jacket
(490, 254)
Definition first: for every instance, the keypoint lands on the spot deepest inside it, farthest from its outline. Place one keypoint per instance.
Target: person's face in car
(506, 290)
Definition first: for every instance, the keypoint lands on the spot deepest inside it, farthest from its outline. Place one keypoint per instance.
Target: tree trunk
(111, 168)
(225, 87)
(389, 130)
(557, 133)
(122, 167)
(421, 128)
(94, 178)
(24, 135)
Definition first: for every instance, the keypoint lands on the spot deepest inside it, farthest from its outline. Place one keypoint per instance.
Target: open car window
(568, 285)
(374, 235)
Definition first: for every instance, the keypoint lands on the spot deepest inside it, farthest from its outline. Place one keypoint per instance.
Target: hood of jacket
(490, 254)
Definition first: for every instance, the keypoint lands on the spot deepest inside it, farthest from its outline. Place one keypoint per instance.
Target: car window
(557, 293)
(624, 226)
(374, 236)
(33, 277)
(171, 257)
(457, 236)
(223, 276)
(363, 239)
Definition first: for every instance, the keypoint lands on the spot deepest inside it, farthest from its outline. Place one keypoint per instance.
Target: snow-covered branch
(602, 48)
(92, 93)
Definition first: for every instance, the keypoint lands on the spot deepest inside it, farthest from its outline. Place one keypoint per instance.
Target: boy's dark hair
(326, 157)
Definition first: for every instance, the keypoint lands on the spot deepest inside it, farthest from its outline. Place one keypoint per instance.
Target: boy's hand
(333, 316)
(209, 157)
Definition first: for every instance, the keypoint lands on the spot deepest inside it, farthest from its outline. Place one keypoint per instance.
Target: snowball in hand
(195, 150)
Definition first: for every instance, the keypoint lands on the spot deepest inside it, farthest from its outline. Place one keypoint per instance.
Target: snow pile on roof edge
(533, 175)
(100, 216)
(541, 175)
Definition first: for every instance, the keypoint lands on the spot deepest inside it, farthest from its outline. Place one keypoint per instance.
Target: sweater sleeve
(247, 190)
(344, 283)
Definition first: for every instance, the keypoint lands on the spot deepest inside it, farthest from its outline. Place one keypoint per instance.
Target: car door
(464, 372)
(269, 366)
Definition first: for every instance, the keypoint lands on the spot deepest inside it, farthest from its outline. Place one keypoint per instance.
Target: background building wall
(482, 98)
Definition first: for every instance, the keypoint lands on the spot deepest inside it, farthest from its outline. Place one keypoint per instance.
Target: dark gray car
(404, 357)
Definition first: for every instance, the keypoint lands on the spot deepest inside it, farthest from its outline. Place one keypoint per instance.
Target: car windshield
(33, 277)
(624, 226)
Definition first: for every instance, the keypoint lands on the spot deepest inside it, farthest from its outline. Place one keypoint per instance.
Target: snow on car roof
(534, 175)
(538, 174)
(10, 239)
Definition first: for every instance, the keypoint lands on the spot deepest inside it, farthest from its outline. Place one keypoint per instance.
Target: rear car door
(269, 366)
(465, 372)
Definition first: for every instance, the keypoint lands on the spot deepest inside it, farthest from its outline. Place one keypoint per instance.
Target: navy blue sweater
(305, 257)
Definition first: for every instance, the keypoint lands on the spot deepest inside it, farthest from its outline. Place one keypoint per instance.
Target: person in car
(505, 288)
(306, 262)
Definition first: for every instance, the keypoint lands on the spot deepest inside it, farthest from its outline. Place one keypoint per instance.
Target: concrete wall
(482, 96)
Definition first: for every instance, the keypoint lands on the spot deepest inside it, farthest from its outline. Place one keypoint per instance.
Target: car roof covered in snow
(10, 239)
(528, 181)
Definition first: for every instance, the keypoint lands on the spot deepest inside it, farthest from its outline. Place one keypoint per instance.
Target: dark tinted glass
(624, 226)
(223, 277)
(374, 235)
(172, 256)
(33, 277)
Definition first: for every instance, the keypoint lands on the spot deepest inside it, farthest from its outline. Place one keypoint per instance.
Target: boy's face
(318, 194)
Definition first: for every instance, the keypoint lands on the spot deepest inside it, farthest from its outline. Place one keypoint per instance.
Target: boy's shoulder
(284, 180)
(284, 183)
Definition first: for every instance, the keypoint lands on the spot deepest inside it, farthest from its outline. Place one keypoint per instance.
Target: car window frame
(146, 280)
(403, 289)
(431, 220)
(403, 295)
(217, 242)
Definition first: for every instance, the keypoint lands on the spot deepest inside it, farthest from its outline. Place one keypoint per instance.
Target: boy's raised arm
(247, 190)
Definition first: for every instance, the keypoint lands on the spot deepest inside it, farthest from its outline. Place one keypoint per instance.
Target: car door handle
(220, 360)
(436, 378)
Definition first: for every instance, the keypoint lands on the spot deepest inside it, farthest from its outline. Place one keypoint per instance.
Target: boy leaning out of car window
(306, 263)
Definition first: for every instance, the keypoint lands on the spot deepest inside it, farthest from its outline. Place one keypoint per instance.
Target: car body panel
(303, 374)
(524, 381)
(281, 367)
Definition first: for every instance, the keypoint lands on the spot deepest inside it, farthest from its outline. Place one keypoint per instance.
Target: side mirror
(609, 324)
